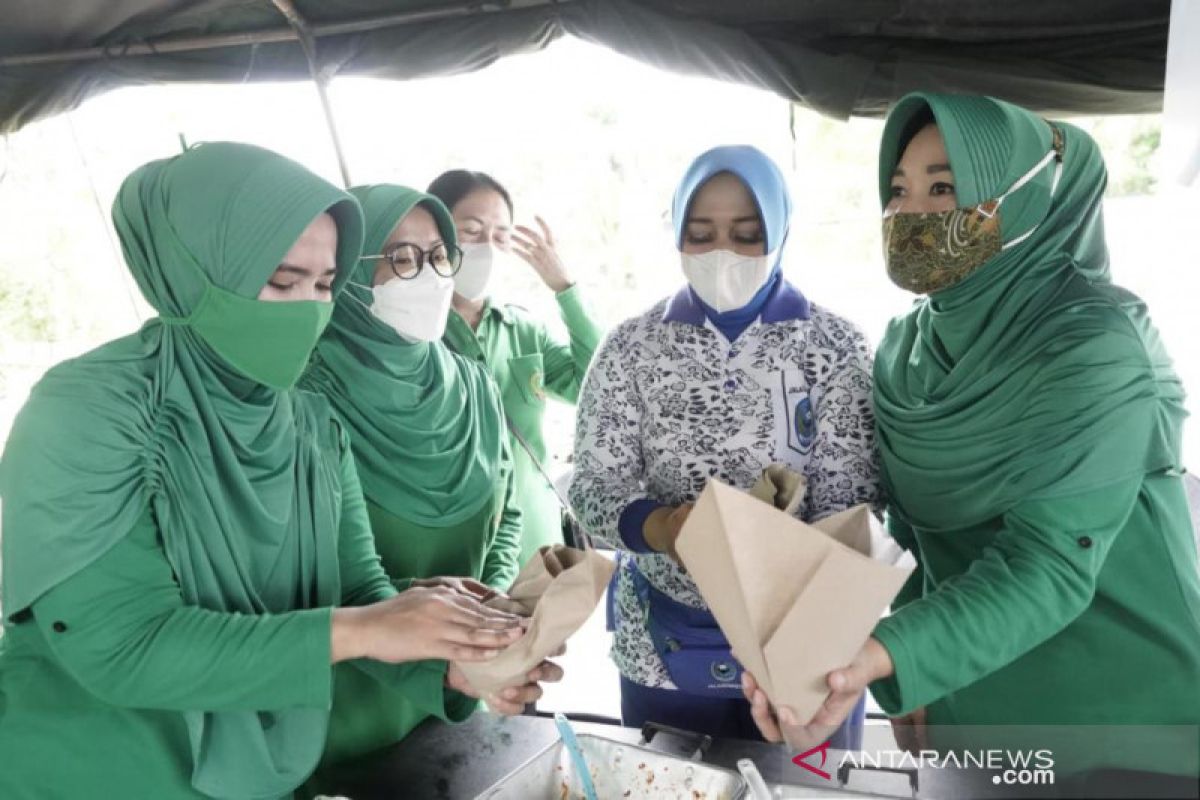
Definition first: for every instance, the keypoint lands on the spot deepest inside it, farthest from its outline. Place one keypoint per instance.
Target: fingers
(526, 248)
(456, 680)
(526, 255)
(477, 590)
(469, 611)
(554, 564)
(529, 234)
(482, 637)
(505, 707)
(545, 230)
(835, 709)
(546, 672)
(521, 695)
(521, 245)
(749, 686)
(849, 680)
(448, 651)
(760, 710)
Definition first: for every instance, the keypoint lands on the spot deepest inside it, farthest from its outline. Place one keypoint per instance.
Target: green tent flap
(838, 57)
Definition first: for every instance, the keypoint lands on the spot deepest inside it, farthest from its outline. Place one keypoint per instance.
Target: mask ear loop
(350, 294)
(1056, 153)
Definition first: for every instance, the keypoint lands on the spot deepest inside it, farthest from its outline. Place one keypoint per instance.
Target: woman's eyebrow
(402, 243)
(480, 221)
(935, 168)
(293, 269)
(708, 220)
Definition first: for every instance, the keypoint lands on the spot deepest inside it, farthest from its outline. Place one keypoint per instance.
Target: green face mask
(269, 342)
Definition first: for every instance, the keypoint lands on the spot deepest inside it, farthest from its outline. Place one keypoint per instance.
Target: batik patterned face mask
(926, 253)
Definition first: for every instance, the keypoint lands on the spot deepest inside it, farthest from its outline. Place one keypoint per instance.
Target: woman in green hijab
(1029, 424)
(179, 525)
(427, 432)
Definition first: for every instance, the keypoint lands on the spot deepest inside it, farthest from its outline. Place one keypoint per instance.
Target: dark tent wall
(840, 57)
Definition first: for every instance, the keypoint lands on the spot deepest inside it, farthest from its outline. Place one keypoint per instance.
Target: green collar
(503, 313)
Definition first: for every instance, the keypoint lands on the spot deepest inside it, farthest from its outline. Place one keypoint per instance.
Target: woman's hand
(846, 685)
(511, 701)
(467, 586)
(423, 623)
(662, 528)
(540, 251)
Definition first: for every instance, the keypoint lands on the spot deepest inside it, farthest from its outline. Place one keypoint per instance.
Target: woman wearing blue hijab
(736, 371)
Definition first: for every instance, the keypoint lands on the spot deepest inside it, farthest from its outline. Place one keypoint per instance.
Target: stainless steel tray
(620, 771)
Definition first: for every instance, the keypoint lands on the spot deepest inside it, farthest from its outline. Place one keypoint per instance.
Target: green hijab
(242, 480)
(426, 426)
(1035, 377)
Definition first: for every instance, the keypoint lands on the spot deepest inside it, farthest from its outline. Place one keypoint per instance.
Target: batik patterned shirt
(669, 403)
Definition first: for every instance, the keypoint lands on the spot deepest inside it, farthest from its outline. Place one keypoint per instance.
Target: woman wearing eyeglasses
(427, 432)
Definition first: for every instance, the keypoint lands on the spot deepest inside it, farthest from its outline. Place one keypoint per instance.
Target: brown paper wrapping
(558, 590)
(794, 600)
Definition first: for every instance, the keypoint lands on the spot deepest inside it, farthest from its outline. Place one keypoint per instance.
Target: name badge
(798, 408)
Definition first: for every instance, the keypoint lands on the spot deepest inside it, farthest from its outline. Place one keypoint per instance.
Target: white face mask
(417, 308)
(479, 260)
(724, 279)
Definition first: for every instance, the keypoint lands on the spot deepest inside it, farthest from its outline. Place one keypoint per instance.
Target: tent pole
(309, 44)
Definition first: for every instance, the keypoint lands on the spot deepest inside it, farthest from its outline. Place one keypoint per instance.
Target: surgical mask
(726, 280)
(415, 308)
(267, 341)
(478, 263)
(927, 253)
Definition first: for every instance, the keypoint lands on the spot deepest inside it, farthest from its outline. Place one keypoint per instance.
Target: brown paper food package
(558, 589)
(794, 600)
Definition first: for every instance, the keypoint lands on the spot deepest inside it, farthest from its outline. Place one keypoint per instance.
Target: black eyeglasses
(407, 260)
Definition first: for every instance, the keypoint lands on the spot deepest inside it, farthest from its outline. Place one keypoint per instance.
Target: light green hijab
(1035, 377)
(426, 426)
(242, 480)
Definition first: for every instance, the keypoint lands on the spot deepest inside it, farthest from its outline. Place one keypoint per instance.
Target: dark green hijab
(1035, 377)
(426, 425)
(242, 480)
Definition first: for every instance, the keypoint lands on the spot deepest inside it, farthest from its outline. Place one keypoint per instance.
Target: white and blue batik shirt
(669, 402)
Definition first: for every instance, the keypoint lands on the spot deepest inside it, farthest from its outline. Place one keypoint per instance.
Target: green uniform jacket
(94, 677)
(529, 365)
(1057, 616)
(369, 715)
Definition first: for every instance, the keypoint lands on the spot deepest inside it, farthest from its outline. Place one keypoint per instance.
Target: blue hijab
(766, 184)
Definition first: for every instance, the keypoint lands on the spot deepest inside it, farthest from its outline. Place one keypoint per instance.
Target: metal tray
(621, 771)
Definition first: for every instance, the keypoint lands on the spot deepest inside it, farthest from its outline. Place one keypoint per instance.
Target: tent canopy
(838, 57)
